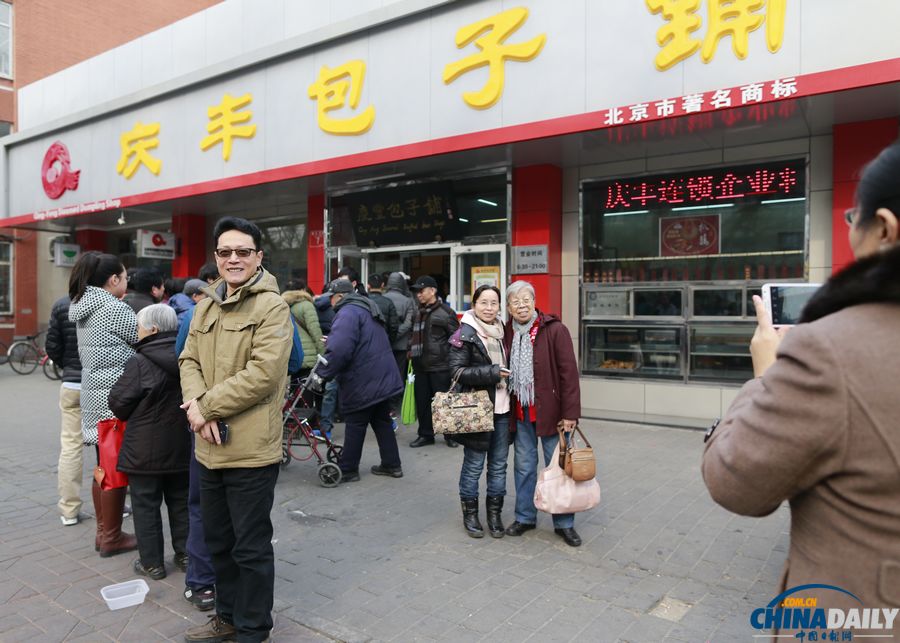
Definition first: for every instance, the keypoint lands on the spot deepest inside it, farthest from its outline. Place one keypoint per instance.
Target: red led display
(710, 187)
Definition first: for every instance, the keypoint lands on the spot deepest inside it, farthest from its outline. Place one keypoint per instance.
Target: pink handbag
(557, 493)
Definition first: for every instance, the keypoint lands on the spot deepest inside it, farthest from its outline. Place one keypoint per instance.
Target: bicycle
(25, 355)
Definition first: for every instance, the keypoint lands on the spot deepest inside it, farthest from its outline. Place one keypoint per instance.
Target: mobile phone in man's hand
(223, 431)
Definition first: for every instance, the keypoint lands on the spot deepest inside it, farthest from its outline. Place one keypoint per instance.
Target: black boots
(495, 522)
(470, 517)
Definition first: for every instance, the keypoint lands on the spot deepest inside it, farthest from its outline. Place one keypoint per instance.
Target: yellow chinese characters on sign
(489, 35)
(226, 122)
(135, 146)
(330, 91)
(735, 18)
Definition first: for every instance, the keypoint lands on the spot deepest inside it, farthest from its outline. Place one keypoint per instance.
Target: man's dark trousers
(355, 425)
(237, 506)
(200, 572)
(427, 384)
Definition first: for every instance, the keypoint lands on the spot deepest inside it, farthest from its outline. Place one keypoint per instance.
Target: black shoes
(181, 561)
(156, 573)
(518, 528)
(394, 472)
(451, 443)
(203, 599)
(495, 522)
(569, 535)
(349, 476)
(421, 441)
(471, 523)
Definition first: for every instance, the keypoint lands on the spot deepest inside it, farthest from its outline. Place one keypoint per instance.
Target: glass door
(473, 266)
(415, 261)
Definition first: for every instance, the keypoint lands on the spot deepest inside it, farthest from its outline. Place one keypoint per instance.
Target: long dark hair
(92, 269)
(879, 185)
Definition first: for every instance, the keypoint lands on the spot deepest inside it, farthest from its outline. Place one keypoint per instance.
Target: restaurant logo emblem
(57, 174)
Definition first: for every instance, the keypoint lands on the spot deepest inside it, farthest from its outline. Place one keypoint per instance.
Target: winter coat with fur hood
(821, 430)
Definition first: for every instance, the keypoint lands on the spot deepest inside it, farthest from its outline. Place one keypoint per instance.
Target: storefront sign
(707, 187)
(530, 260)
(65, 254)
(155, 245)
(686, 236)
(485, 276)
(405, 214)
(57, 174)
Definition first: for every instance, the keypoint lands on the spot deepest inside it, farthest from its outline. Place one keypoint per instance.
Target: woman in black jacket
(156, 447)
(478, 362)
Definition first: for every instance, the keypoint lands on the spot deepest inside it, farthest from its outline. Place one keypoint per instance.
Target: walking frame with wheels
(300, 421)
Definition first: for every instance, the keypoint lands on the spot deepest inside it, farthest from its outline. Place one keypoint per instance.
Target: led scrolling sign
(733, 185)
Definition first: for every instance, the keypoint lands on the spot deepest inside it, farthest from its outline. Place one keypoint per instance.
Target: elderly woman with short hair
(156, 447)
(545, 389)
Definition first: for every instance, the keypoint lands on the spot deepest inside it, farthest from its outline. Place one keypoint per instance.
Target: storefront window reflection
(5, 278)
(284, 250)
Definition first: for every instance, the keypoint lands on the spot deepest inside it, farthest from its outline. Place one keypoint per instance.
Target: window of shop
(471, 210)
(6, 293)
(284, 250)
(5, 39)
(670, 263)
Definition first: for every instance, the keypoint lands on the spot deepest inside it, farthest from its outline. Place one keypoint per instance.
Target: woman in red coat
(545, 391)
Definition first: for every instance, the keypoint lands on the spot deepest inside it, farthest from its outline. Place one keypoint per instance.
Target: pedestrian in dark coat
(388, 310)
(156, 447)
(360, 358)
(429, 348)
(546, 392)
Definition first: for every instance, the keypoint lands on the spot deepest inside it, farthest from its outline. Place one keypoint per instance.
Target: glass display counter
(633, 351)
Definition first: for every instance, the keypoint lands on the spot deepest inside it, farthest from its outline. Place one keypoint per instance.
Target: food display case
(633, 351)
(689, 333)
(721, 353)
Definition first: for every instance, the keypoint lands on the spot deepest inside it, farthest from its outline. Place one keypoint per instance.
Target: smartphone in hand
(785, 301)
(223, 431)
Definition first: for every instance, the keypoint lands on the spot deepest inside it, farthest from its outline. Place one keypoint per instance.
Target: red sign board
(686, 236)
(705, 187)
(57, 174)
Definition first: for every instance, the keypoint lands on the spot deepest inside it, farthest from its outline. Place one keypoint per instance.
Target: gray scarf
(521, 362)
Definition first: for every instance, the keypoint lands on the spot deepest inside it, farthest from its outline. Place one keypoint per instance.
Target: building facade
(647, 165)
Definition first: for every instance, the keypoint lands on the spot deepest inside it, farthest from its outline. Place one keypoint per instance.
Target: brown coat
(557, 389)
(821, 429)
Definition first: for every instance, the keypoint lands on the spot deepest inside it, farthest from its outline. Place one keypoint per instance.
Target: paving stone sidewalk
(387, 560)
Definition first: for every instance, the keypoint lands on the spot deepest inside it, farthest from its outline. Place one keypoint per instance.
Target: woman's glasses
(243, 253)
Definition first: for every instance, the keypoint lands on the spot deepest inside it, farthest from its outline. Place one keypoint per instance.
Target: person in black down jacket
(62, 347)
(478, 362)
(433, 325)
(156, 448)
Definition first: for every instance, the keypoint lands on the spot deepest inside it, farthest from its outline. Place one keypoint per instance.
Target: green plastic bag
(408, 409)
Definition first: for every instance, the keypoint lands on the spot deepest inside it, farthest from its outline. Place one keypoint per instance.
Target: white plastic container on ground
(131, 592)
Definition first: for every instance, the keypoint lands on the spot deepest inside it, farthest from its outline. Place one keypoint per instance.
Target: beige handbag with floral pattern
(471, 412)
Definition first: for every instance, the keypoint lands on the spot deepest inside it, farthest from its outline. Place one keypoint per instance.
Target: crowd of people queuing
(159, 375)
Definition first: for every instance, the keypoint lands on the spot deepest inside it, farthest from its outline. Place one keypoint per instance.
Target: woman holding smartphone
(817, 426)
(479, 362)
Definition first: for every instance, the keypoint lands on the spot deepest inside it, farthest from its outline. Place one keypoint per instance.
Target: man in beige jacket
(233, 372)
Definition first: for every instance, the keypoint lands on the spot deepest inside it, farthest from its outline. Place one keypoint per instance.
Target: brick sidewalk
(387, 559)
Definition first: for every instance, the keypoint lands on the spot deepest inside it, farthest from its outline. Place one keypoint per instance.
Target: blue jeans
(473, 463)
(525, 469)
(200, 572)
(329, 404)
